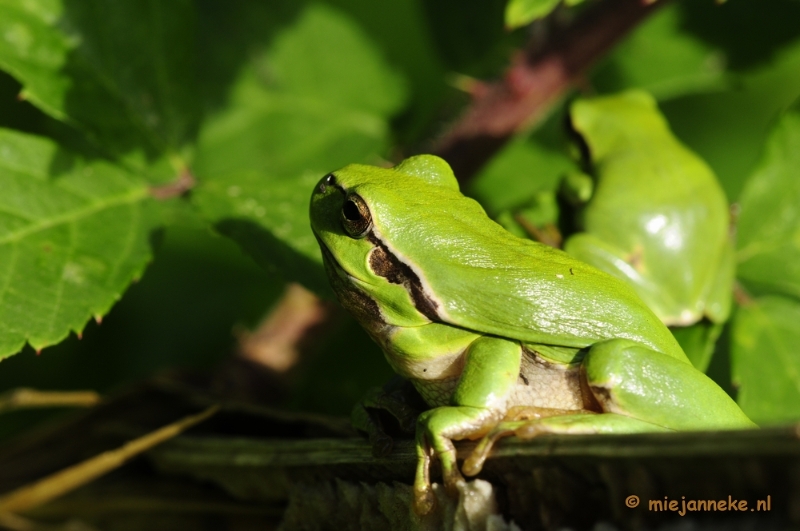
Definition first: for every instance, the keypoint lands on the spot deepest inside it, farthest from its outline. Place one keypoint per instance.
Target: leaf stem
(176, 188)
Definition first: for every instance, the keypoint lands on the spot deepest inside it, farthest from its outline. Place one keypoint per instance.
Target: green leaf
(765, 359)
(120, 71)
(727, 129)
(749, 32)
(73, 235)
(660, 56)
(514, 177)
(403, 33)
(769, 222)
(523, 12)
(317, 99)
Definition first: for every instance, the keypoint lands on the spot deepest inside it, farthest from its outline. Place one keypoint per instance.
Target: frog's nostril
(328, 180)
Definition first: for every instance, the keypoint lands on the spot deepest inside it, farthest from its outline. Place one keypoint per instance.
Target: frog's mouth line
(328, 258)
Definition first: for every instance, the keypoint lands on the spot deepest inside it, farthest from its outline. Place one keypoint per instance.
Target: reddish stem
(176, 188)
(536, 79)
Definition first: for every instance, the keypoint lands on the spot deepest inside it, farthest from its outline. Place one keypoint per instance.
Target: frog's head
(357, 213)
(601, 124)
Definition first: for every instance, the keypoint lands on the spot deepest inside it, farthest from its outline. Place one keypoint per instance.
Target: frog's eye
(356, 217)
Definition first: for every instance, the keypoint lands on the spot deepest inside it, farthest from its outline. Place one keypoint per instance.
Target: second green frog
(655, 215)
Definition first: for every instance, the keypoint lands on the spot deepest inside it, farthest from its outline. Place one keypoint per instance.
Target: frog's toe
(451, 476)
(577, 422)
(424, 499)
(474, 463)
(453, 482)
(454, 486)
(529, 430)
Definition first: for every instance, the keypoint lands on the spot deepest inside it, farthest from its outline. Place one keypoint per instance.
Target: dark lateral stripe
(384, 264)
(361, 305)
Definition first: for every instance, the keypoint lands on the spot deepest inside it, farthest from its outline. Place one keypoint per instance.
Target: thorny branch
(538, 77)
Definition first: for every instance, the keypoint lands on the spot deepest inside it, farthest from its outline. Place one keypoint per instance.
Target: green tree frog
(499, 334)
(656, 215)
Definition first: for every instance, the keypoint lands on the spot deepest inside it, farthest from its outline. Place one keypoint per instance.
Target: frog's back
(483, 278)
(536, 294)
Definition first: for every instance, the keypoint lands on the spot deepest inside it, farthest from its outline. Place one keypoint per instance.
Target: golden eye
(356, 217)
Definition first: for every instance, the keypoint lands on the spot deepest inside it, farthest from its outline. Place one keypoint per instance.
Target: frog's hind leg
(572, 422)
(636, 389)
(633, 380)
(515, 417)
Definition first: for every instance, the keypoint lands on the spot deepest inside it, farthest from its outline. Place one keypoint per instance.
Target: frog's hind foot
(521, 421)
(474, 463)
(424, 500)
(451, 477)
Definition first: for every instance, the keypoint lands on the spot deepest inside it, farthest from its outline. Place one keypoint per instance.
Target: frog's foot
(436, 430)
(452, 478)
(401, 401)
(491, 370)
(474, 463)
(516, 418)
(424, 499)
(586, 424)
(381, 443)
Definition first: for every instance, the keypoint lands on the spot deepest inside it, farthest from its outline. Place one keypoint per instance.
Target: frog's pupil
(351, 212)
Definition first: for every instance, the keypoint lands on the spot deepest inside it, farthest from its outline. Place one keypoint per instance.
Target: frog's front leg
(491, 369)
(638, 390)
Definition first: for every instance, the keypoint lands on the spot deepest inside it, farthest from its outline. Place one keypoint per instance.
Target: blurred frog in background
(653, 213)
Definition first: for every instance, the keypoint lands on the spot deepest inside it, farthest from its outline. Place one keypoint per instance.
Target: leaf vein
(74, 215)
